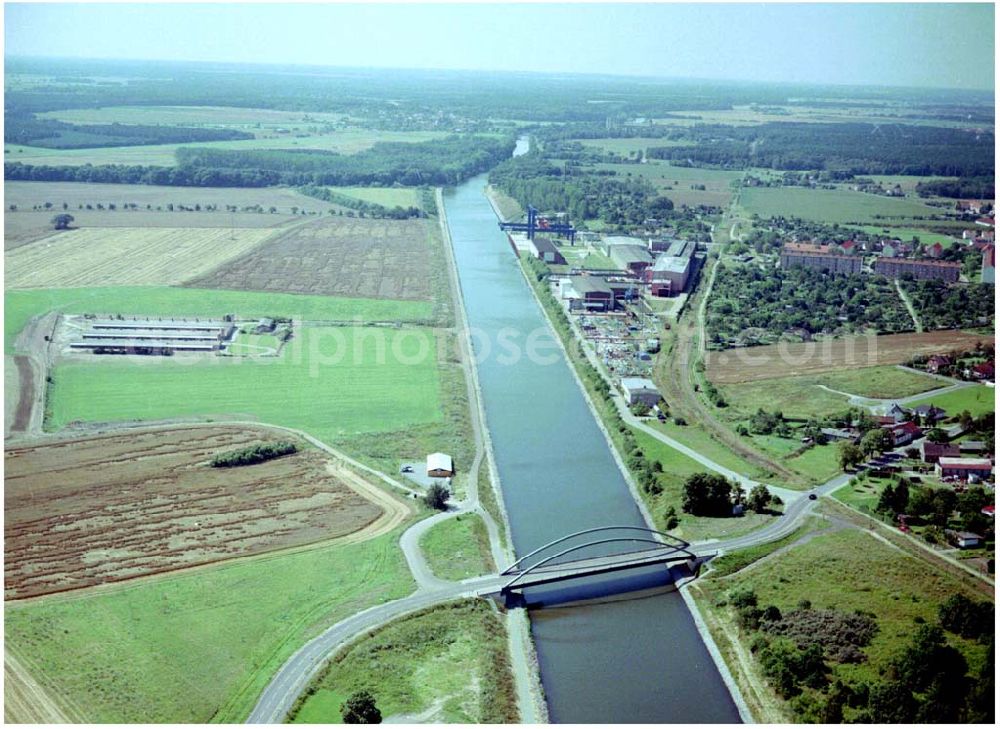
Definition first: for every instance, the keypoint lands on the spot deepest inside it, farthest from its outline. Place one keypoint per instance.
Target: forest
(30, 130)
(436, 162)
(976, 188)
(584, 194)
(885, 149)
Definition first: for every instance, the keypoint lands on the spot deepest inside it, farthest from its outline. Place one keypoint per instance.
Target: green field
(849, 571)
(450, 661)
(348, 141)
(458, 548)
(925, 236)
(794, 397)
(20, 306)
(328, 381)
(676, 468)
(832, 206)
(197, 646)
(800, 397)
(389, 197)
(695, 436)
(977, 399)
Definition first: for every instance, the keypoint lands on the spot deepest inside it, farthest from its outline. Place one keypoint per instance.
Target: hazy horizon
(933, 46)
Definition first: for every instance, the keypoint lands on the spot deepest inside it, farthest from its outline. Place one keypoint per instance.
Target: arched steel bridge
(543, 565)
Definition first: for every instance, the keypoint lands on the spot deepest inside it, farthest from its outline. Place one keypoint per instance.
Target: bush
(437, 497)
(253, 454)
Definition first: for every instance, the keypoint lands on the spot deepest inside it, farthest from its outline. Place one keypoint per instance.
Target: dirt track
(801, 358)
(24, 700)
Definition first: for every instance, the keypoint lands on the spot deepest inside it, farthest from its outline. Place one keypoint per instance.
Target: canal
(625, 659)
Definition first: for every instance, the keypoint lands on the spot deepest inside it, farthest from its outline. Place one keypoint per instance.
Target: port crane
(538, 223)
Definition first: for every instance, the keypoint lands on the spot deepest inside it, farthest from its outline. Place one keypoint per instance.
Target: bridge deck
(545, 574)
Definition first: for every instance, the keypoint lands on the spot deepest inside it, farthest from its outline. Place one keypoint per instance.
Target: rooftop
(638, 383)
(674, 264)
(974, 463)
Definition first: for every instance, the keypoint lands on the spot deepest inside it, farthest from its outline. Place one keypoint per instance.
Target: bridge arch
(661, 546)
(676, 542)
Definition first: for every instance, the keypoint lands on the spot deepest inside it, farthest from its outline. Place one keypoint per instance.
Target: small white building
(640, 389)
(440, 465)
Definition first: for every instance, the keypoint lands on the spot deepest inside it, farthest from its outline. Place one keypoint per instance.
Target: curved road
(295, 675)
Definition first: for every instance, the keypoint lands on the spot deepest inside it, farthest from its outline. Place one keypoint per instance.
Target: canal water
(625, 659)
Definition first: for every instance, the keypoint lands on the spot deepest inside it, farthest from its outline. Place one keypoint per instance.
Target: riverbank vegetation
(779, 610)
(445, 664)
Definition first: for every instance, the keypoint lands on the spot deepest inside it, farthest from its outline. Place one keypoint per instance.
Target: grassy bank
(458, 548)
(197, 646)
(446, 664)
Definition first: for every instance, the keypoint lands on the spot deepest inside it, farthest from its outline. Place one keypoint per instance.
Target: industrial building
(634, 259)
(640, 389)
(671, 271)
(610, 242)
(596, 293)
(921, 269)
(818, 257)
(545, 250)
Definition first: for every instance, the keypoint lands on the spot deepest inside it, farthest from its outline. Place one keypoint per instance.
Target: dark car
(812, 497)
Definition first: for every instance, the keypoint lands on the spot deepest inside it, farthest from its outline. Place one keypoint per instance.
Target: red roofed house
(984, 371)
(990, 510)
(935, 250)
(936, 362)
(904, 433)
(963, 468)
(931, 452)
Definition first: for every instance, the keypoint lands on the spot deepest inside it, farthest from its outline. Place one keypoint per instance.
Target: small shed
(440, 465)
(640, 389)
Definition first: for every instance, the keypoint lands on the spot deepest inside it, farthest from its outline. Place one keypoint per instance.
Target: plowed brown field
(355, 257)
(109, 508)
(801, 358)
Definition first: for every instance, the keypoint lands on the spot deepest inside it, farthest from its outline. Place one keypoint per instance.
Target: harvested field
(803, 358)
(22, 228)
(126, 256)
(105, 509)
(389, 259)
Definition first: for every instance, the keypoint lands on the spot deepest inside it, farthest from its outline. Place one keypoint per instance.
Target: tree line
(437, 162)
(24, 128)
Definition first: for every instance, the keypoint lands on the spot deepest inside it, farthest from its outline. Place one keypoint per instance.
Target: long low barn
(159, 324)
(162, 336)
(145, 344)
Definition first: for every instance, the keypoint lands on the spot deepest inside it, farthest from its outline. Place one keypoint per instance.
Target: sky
(912, 44)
